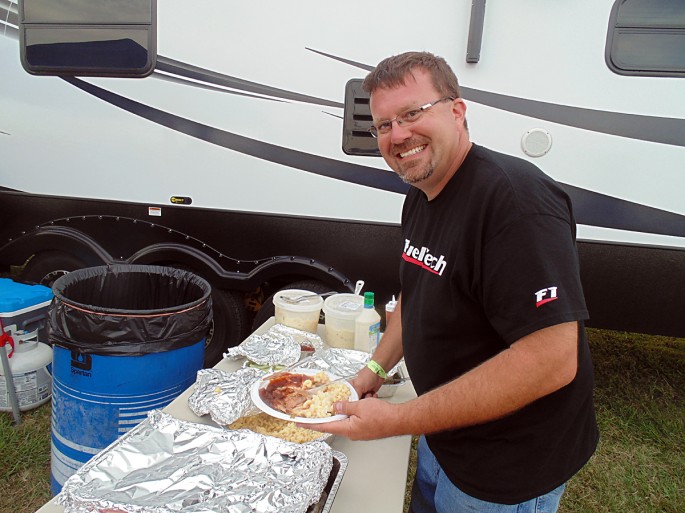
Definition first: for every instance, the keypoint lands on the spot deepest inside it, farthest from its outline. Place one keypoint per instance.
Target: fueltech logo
(545, 296)
(423, 258)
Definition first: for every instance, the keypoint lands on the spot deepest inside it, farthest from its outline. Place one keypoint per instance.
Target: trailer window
(647, 37)
(357, 140)
(114, 38)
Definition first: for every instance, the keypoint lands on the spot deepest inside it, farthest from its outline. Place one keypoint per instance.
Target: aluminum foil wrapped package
(309, 342)
(343, 362)
(225, 396)
(347, 362)
(166, 465)
(280, 345)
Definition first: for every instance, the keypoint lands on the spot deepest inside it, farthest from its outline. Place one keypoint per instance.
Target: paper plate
(259, 403)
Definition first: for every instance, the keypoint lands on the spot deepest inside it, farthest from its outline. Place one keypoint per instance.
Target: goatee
(411, 179)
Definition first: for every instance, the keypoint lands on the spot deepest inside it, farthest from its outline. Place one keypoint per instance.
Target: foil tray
(331, 489)
(170, 465)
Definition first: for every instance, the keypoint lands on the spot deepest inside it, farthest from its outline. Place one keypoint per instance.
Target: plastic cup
(341, 310)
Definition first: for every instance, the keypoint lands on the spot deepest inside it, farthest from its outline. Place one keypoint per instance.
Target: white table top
(376, 473)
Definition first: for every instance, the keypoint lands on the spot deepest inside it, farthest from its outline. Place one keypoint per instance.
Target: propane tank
(31, 366)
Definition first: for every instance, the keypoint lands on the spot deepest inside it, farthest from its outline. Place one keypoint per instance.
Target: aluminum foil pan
(224, 395)
(166, 465)
(280, 345)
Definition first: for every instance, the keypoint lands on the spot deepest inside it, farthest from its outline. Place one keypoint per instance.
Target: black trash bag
(129, 310)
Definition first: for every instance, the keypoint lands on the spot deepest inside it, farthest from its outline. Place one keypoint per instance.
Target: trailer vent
(357, 140)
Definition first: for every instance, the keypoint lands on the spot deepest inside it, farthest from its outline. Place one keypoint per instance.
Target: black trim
(634, 288)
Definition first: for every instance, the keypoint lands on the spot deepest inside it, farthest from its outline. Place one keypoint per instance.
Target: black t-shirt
(488, 261)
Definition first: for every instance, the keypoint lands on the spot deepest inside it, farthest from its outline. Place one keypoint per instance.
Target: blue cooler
(23, 314)
(127, 340)
(24, 307)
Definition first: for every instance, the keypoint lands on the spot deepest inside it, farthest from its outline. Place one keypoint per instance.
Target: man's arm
(533, 367)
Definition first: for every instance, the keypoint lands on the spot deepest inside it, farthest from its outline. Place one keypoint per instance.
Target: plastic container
(302, 316)
(340, 311)
(367, 326)
(127, 340)
(30, 364)
(389, 390)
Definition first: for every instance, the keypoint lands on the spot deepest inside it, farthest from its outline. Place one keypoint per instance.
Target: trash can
(127, 339)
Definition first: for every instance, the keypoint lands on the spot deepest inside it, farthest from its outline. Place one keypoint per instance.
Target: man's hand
(368, 419)
(366, 383)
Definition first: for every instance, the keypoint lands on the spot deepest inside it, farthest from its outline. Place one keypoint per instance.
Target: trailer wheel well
(47, 266)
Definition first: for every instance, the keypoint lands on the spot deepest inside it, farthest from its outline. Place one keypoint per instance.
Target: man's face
(426, 153)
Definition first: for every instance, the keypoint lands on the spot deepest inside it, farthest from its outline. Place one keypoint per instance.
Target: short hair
(393, 71)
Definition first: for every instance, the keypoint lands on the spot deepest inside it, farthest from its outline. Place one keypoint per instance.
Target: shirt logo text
(543, 296)
(423, 258)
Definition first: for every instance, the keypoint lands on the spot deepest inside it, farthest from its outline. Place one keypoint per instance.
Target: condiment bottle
(389, 310)
(367, 326)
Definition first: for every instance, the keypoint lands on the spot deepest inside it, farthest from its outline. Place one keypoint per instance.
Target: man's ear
(459, 108)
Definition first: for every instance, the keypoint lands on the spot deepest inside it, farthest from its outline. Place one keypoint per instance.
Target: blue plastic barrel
(127, 340)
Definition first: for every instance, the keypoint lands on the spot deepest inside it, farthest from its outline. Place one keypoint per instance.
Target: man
(490, 318)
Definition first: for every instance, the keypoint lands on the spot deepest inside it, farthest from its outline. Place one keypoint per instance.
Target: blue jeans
(433, 492)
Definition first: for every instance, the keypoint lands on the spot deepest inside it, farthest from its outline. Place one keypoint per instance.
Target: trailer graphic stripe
(361, 175)
(633, 126)
(172, 78)
(595, 209)
(644, 128)
(592, 208)
(183, 69)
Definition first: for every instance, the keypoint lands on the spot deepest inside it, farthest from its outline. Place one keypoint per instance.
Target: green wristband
(377, 369)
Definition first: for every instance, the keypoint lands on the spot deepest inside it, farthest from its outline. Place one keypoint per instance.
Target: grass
(25, 460)
(640, 399)
(639, 466)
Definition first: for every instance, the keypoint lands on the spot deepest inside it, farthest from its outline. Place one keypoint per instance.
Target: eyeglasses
(405, 119)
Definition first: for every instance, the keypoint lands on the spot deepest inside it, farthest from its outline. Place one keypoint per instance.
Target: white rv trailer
(234, 143)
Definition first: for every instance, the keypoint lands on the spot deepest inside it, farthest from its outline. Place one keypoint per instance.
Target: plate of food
(305, 396)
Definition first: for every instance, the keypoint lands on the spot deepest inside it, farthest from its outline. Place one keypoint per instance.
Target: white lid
(309, 304)
(347, 306)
